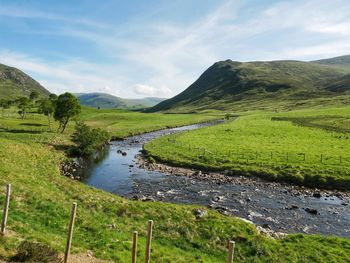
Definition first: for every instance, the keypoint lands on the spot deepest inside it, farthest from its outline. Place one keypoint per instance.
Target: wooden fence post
(6, 209)
(70, 231)
(134, 247)
(231, 248)
(149, 241)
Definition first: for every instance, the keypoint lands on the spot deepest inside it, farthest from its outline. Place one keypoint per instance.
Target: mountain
(340, 85)
(15, 83)
(337, 61)
(104, 100)
(266, 85)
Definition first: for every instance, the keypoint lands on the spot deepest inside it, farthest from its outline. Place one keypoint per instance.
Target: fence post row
(134, 247)
(231, 248)
(149, 241)
(6, 209)
(70, 231)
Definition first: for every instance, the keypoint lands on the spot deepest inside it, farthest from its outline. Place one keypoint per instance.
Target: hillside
(107, 101)
(14, 83)
(42, 198)
(337, 61)
(230, 85)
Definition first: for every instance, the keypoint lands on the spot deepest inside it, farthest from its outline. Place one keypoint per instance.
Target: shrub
(35, 252)
(88, 140)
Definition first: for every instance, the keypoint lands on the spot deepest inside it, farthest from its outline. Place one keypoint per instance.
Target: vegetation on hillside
(308, 147)
(275, 85)
(107, 101)
(41, 200)
(14, 83)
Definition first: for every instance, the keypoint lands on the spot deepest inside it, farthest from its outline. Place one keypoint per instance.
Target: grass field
(40, 205)
(309, 147)
(119, 123)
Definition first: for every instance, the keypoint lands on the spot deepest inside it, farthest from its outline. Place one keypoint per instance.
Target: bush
(35, 252)
(88, 140)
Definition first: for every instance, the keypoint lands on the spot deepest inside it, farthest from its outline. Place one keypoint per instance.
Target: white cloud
(145, 90)
(71, 75)
(169, 56)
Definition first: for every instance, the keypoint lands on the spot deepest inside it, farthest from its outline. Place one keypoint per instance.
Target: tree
(47, 107)
(23, 105)
(88, 140)
(34, 95)
(67, 106)
(4, 104)
(53, 97)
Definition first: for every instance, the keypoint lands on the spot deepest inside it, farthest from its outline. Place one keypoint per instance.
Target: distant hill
(231, 85)
(15, 83)
(337, 61)
(104, 100)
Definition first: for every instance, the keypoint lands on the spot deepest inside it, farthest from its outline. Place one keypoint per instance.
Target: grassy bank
(41, 202)
(308, 147)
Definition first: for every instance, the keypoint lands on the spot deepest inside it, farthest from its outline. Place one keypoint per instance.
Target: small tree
(88, 140)
(4, 104)
(53, 97)
(23, 105)
(47, 108)
(67, 106)
(34, 95)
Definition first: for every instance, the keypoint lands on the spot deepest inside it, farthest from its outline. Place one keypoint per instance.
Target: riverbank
(41, 201)
(226, 177)
(305, 148)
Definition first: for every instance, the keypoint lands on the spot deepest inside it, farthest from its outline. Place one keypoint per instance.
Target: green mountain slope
(230, 85)
(337, 61)
(15, 83)
(104, 100)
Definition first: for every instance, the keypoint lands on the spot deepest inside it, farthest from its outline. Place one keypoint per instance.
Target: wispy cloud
(75, 75)
(15, 12)
(153, 57)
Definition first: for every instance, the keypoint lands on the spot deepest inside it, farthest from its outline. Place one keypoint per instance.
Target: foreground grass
(41, 202)
(307, 147)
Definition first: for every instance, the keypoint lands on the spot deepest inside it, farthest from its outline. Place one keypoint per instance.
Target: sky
(157, 48)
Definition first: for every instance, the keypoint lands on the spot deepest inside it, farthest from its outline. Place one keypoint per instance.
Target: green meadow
(41, 200)
(308, 147)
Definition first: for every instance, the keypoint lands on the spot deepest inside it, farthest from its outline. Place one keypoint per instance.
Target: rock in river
(311, 211)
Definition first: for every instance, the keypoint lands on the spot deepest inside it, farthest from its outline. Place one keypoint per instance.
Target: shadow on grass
(32, 124)
(62, 147)
(21, 131)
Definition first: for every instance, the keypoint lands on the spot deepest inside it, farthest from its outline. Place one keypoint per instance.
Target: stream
(273, 206)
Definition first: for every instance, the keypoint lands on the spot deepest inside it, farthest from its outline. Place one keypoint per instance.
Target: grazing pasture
(309, 147)
(42, 197)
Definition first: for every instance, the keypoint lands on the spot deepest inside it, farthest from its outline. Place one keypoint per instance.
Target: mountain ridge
(108, 101)
(15, 83)
(234, 85)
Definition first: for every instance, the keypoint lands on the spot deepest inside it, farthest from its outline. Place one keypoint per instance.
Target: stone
(317, 195)
(311, 211)
(199, 213)
(291, 207)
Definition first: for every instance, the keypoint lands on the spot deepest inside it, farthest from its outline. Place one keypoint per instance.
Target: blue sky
(158, 48)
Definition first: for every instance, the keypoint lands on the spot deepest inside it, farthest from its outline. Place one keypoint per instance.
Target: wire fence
(249, 156)
(70, 232)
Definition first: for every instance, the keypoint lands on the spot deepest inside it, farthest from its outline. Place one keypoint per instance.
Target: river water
(282, 208)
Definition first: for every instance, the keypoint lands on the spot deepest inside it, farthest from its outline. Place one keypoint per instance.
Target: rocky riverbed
(274, 207)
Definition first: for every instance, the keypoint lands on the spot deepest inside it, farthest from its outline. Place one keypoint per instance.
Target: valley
(277, 156)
